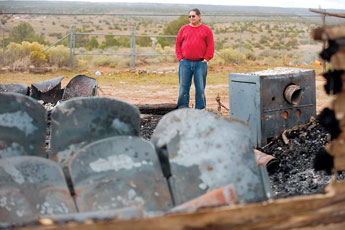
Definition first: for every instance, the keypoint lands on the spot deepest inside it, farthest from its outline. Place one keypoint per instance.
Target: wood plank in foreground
(314, 212)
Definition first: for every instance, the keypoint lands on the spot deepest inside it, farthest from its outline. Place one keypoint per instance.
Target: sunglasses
(191, 16)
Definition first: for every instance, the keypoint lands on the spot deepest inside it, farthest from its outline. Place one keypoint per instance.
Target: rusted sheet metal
(31, 187)
(49, 91)
(119, 172)
(203, 152)
(225, 195)
(80, 121)
(22, 126)
(14, 88)
(80, 86)
(269, 161)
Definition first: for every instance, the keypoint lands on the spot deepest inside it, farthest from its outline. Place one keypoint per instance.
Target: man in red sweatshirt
(194, 48)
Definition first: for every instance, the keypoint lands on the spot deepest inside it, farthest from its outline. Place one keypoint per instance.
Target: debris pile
(295, 175)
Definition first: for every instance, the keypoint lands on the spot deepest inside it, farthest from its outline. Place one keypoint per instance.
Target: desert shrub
(104, 60)
(20, 64)
(231, 55)
(37, 58)
(165, 50)
(144, 41)
(58, 56)
(292, 44)
(93, 43)
(124, 42)
(20, 56)
(13, 52)
(54, 34)
(263, 39)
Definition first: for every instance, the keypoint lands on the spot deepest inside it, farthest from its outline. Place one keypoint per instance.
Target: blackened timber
(158, 109)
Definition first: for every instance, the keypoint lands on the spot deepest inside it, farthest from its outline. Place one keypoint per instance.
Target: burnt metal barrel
(200, 152)
(119, 172)
(15, 88)
(31, 187)
(22, 126)
(80, 86)
(82, 120)
(49, 91)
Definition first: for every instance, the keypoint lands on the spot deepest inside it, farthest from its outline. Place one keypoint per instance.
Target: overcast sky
(325, 4)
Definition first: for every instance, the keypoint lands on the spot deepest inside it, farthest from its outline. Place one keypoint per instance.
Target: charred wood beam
(157, 109)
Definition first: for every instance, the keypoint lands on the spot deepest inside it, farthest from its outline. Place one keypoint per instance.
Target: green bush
(172, 29)
(58, 56)
(144, 41)
(93, 43)
(25, 32)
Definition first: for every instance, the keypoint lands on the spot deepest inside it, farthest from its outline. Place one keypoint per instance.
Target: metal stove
(272, 100)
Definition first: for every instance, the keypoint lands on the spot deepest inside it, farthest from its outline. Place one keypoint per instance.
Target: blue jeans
(186, 71)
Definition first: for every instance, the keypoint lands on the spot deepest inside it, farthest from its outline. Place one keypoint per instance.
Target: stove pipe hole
(293, 94)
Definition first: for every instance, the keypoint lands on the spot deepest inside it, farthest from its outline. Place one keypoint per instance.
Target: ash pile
(296, 151)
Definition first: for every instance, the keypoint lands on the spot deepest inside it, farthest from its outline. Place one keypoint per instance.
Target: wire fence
(133, 54)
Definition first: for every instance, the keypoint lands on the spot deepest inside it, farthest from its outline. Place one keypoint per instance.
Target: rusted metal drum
(80, 86)
(80, 121)
(269, 161)
(14, 88)
(31, 187)
(22, 126)
(49, 91)
(119, 172)
(201, 152)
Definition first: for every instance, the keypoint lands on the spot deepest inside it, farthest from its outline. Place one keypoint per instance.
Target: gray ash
(148, 124)
(295, 175)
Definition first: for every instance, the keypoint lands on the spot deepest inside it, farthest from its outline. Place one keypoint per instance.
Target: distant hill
(65, 7)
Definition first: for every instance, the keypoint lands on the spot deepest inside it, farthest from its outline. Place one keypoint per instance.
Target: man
(194, 48)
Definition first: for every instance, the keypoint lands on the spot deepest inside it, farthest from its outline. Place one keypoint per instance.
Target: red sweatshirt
(194, 43)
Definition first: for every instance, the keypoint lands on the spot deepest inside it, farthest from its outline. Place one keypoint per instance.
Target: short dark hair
(197, 11)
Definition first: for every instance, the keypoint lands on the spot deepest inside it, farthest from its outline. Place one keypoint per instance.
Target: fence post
(132, 61)
(72, 46)
(3, 44)
(239, 48)
(324, 41)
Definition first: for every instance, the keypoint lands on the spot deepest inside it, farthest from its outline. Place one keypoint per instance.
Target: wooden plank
(314, 212)
(323, 12)
(329, 32)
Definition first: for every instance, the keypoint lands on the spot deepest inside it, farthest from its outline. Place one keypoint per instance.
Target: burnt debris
(295, 174)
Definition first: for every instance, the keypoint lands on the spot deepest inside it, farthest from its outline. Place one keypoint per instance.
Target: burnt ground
(295, 175)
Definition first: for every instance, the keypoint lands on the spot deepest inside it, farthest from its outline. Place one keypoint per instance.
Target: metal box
(272, 100)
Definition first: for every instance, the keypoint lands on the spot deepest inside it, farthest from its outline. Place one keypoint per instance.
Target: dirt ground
(156, 94)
